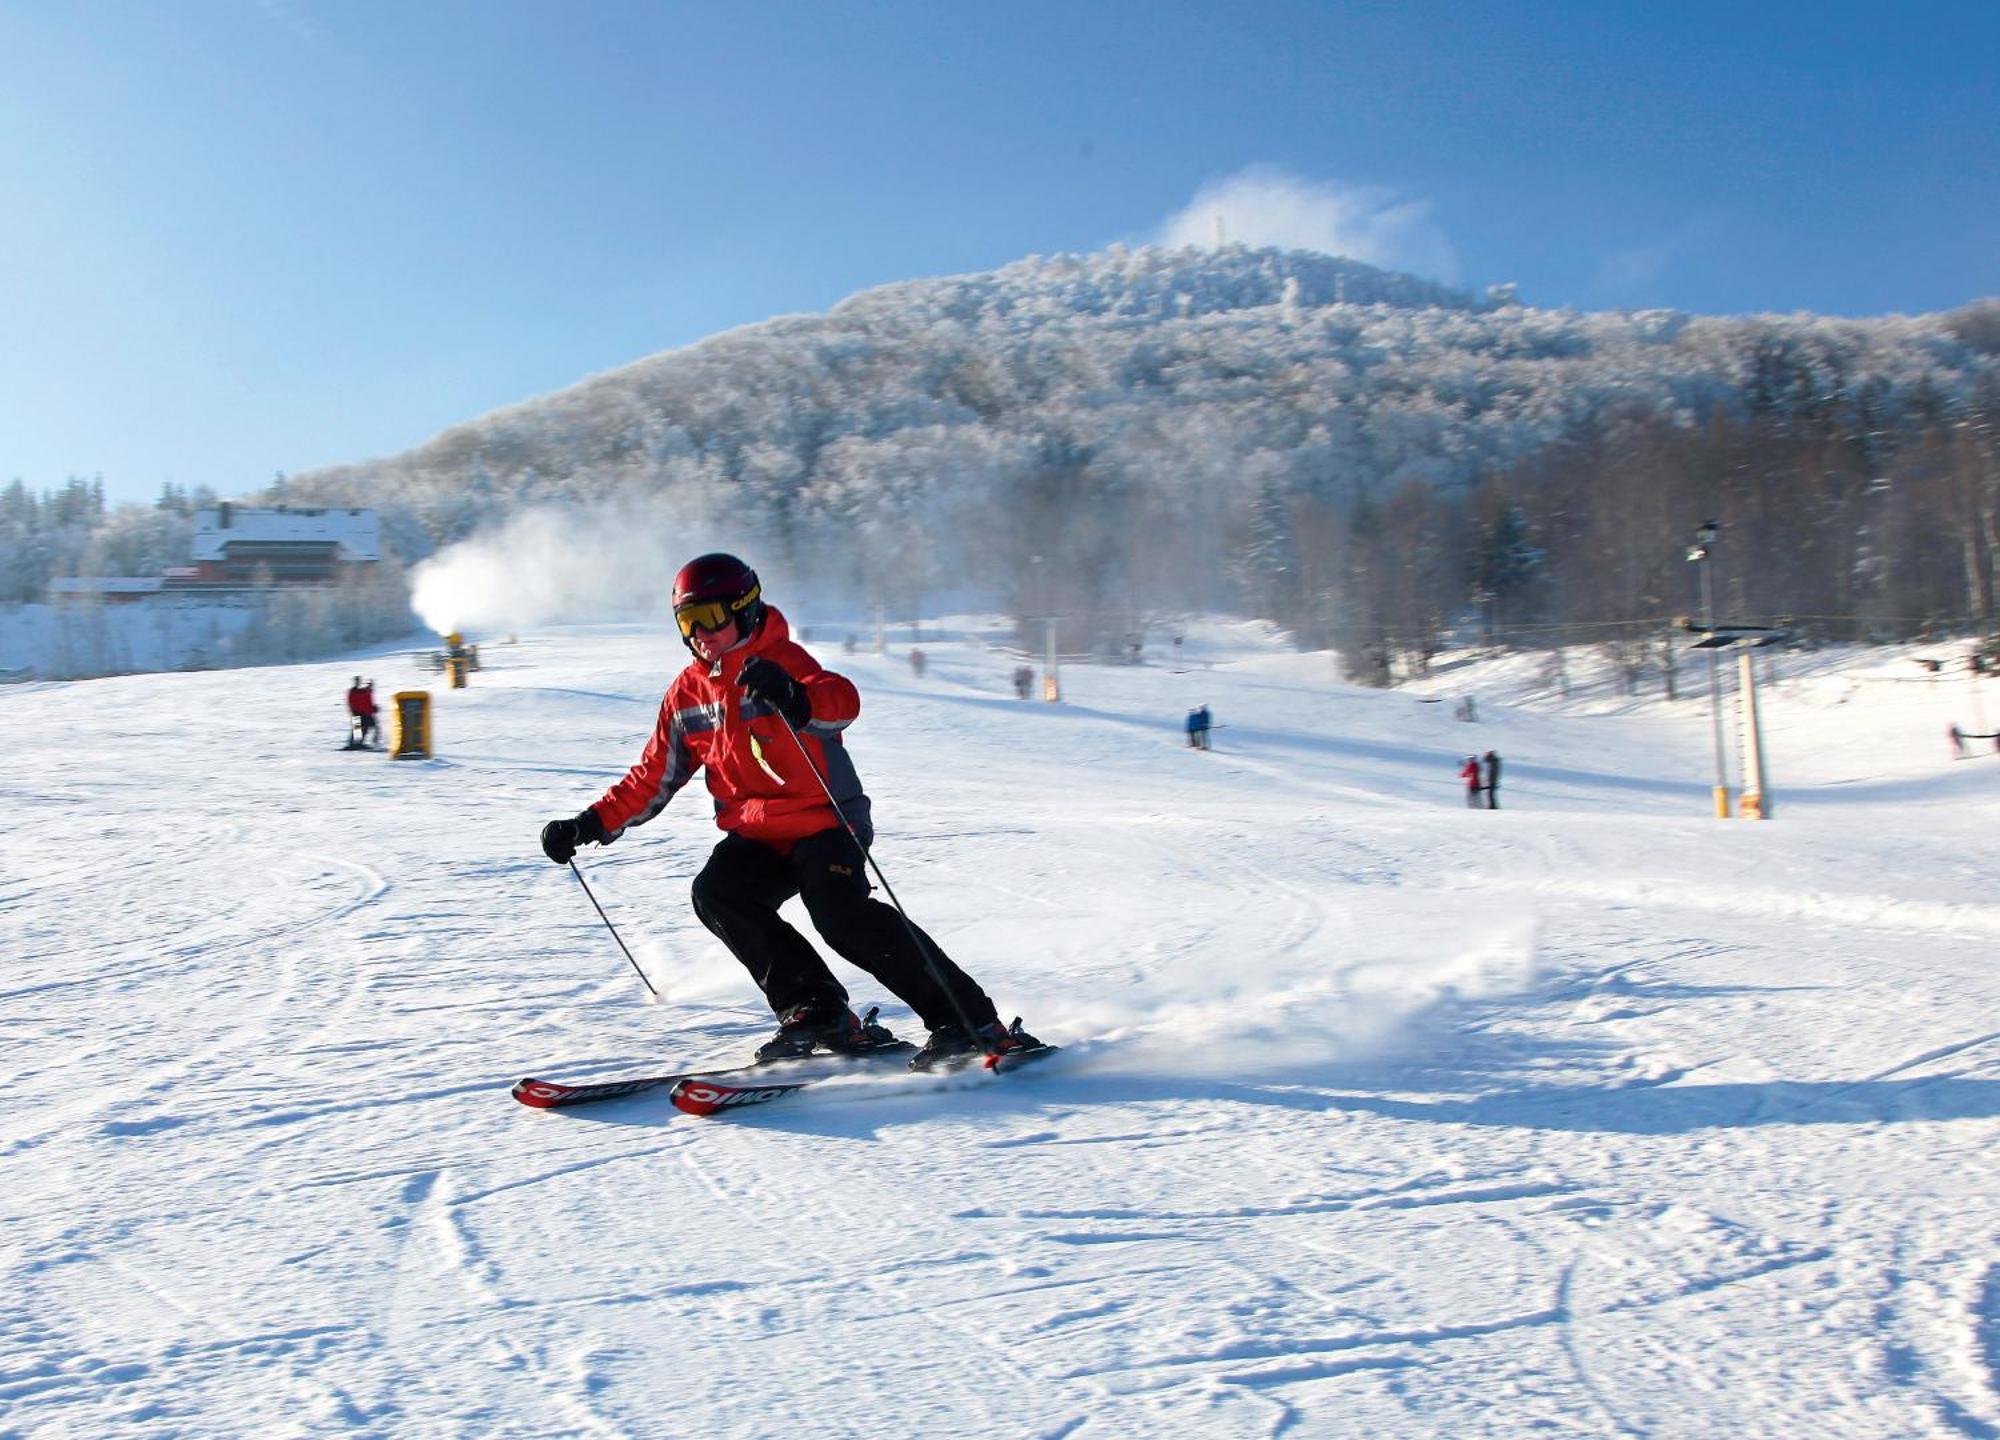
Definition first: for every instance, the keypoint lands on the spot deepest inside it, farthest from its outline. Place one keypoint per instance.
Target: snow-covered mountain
(1373, 375)
(1256, 428)
(1589, 1115)
(1192, 376)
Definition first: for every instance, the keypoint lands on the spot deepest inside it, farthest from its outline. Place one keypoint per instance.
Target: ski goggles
(712, 614)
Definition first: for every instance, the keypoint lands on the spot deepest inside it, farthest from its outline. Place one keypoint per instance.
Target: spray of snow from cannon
(605, 562)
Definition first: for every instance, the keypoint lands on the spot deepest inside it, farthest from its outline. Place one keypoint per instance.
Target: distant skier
(1469, 773)
(764, 720)
(361, 714)
(1957, 741)
(917, 663)
(1024, 680)
(1492, 780)
(1197, 728)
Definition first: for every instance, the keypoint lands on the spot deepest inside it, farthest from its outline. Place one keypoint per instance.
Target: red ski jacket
(762, 787)
(361, 700)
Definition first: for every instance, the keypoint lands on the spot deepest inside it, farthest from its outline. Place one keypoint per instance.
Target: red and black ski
(554, 1095)
(720, 1091)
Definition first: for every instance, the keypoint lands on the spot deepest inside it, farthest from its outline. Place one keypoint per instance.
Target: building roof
(357, 532)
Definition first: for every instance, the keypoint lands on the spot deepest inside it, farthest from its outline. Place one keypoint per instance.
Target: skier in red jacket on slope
(764, 719)
(361, 713)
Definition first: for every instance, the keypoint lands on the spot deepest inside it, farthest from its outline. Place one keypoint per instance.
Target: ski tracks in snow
(1587, 1122)
(224, 985)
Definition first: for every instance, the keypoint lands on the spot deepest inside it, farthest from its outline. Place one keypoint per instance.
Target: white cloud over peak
(1264, 205)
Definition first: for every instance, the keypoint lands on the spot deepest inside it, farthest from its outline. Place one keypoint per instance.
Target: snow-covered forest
(1365, 458)
(73, 532)
(1361, 456)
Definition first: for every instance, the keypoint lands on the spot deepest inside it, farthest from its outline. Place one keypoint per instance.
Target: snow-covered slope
(1591, 1115)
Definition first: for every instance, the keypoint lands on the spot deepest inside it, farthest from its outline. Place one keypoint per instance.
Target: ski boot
(821, 1028)
(949, 1044)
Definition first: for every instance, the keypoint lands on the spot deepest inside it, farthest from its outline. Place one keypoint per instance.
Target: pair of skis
(717, 1092)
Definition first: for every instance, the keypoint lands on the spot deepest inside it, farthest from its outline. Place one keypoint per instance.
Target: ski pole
(916, 936)
(608, 925)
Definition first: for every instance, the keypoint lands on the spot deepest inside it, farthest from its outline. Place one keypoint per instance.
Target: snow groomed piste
(1376, 1114)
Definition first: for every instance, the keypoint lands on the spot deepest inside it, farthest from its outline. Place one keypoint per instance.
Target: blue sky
(246, 237)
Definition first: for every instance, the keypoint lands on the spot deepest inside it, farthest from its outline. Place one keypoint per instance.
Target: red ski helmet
(714, 591)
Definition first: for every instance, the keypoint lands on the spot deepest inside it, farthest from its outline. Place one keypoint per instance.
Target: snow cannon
(460, 660)
(410, 730)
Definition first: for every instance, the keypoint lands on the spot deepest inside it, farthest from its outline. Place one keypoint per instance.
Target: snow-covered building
(235, 546)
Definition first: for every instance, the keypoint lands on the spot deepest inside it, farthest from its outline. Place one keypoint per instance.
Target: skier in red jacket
(361, 713)
(764, 720)
(1469, 773)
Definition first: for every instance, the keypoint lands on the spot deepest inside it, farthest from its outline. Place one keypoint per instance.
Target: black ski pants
(737, 895)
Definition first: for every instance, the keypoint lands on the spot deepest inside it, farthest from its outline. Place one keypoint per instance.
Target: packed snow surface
(1592, 1115)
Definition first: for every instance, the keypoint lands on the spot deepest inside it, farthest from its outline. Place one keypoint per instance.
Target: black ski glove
(770, 682)
(561, 837)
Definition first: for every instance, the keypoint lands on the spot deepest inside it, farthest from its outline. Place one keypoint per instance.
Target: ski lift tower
(1755, 801)
(1699, 553)
(1051, 681)
(1051, 676)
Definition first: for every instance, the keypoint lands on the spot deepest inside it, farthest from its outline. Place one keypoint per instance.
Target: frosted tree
(1170, 405)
